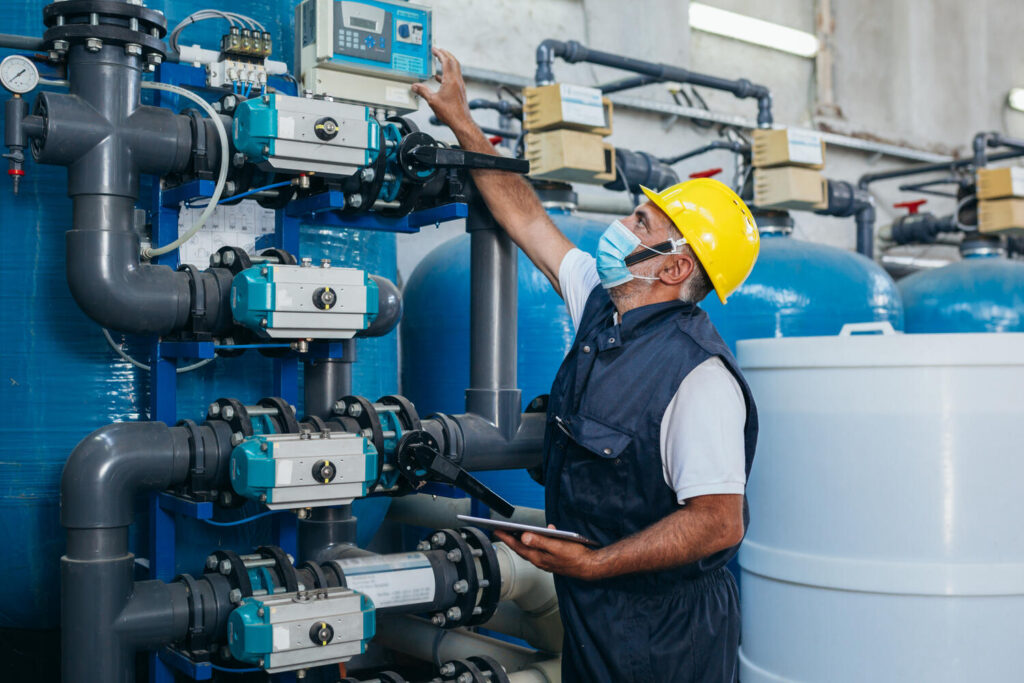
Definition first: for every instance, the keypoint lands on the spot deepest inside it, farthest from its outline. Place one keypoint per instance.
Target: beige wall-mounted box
(1001, 215)
(570, 156)
(786, 147)
(790, 187)
(995, 183)
(562, 105)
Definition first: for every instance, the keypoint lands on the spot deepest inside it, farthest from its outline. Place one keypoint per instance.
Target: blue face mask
(616, 243)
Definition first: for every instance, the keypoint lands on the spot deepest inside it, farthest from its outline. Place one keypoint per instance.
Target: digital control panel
(389, 41)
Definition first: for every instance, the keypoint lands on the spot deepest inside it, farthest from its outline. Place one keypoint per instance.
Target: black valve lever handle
(448, 157)
(420, 460)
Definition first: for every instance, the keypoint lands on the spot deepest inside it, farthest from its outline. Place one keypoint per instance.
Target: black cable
(689, 103)
(516, 96)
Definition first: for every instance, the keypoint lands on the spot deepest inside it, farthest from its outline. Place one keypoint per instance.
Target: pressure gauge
(18, 74)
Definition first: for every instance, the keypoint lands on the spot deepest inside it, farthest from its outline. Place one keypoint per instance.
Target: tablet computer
(516, 528)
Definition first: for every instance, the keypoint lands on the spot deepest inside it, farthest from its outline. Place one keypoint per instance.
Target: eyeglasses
(661, 249)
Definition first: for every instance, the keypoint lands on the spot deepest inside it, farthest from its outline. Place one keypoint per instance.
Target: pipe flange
(451, 436)
(362, 411)
(234, 259)
(316, 423)
(285, 421)
(467, 585)
(490, 573)
(230, 565)
(407, 415)
(233, 412)
(478, 668)
(201, 477)
(285, 258)
(283, 564)
(197, 294)
(347, 424)
(200, 148)
(319, 578)
(119, 23)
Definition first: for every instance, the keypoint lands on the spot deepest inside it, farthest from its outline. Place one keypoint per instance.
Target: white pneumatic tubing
(222, 178)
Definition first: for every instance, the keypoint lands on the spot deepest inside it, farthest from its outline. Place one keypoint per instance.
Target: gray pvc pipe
(106, 139)
(104, 616)
(494, 282)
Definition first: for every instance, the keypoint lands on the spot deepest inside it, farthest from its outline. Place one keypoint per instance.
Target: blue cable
(228, 669)
(244, 520)
(232, 198)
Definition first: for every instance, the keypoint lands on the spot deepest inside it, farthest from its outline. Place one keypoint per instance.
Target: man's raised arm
(508, 196)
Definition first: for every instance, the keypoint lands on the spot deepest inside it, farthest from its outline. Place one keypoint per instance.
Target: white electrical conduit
(218, 190)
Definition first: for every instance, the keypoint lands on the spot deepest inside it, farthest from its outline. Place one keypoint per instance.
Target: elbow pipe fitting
(844, 200)
(982, 141)
(104, 617)
(116, 290)
(546, 53)
(474, 443)
(111, 466)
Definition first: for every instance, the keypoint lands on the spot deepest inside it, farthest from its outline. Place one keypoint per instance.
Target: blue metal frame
(165, 508)
(325, 209)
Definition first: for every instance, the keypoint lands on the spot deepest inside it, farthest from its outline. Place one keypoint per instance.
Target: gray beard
(629, 295)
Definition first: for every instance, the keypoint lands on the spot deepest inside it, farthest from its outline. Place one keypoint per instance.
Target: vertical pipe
(96, 584)
(326, 532)
(494, 280)
(325, 380)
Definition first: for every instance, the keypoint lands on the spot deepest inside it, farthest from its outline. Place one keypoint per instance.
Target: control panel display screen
(359, 22)
(383, 35)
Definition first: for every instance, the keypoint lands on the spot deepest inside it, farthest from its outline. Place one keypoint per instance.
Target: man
(651, 428)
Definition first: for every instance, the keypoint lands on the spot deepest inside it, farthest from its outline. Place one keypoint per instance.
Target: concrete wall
(927, 72)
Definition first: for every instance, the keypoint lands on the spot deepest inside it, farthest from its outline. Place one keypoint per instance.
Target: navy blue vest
(604, 478)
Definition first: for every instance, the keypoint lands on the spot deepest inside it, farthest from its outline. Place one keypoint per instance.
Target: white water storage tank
(886, 539)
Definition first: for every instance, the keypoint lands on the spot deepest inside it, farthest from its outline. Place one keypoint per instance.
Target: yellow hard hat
(717, 225)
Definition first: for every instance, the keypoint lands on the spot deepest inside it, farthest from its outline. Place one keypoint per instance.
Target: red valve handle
(706, 174)
(911, 207)
(495, 139)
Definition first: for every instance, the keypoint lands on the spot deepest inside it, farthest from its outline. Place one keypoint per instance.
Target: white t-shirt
(702, 443)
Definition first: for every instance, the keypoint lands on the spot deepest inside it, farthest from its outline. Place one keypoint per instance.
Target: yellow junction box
(785, 147)
(995, 183)
(562, 105)
(1001, 215)
(570, 156)
(790, 187)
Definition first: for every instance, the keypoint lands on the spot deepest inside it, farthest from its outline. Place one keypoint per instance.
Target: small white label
(397, 95)
(284, 473)
(386, 589)
(581, 105)
(282, 640)
(285, 127)
(804, 147)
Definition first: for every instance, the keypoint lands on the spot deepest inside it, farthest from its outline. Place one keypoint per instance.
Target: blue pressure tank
(435, 337)
(62, 381)
(982, 293)
(804, 289)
